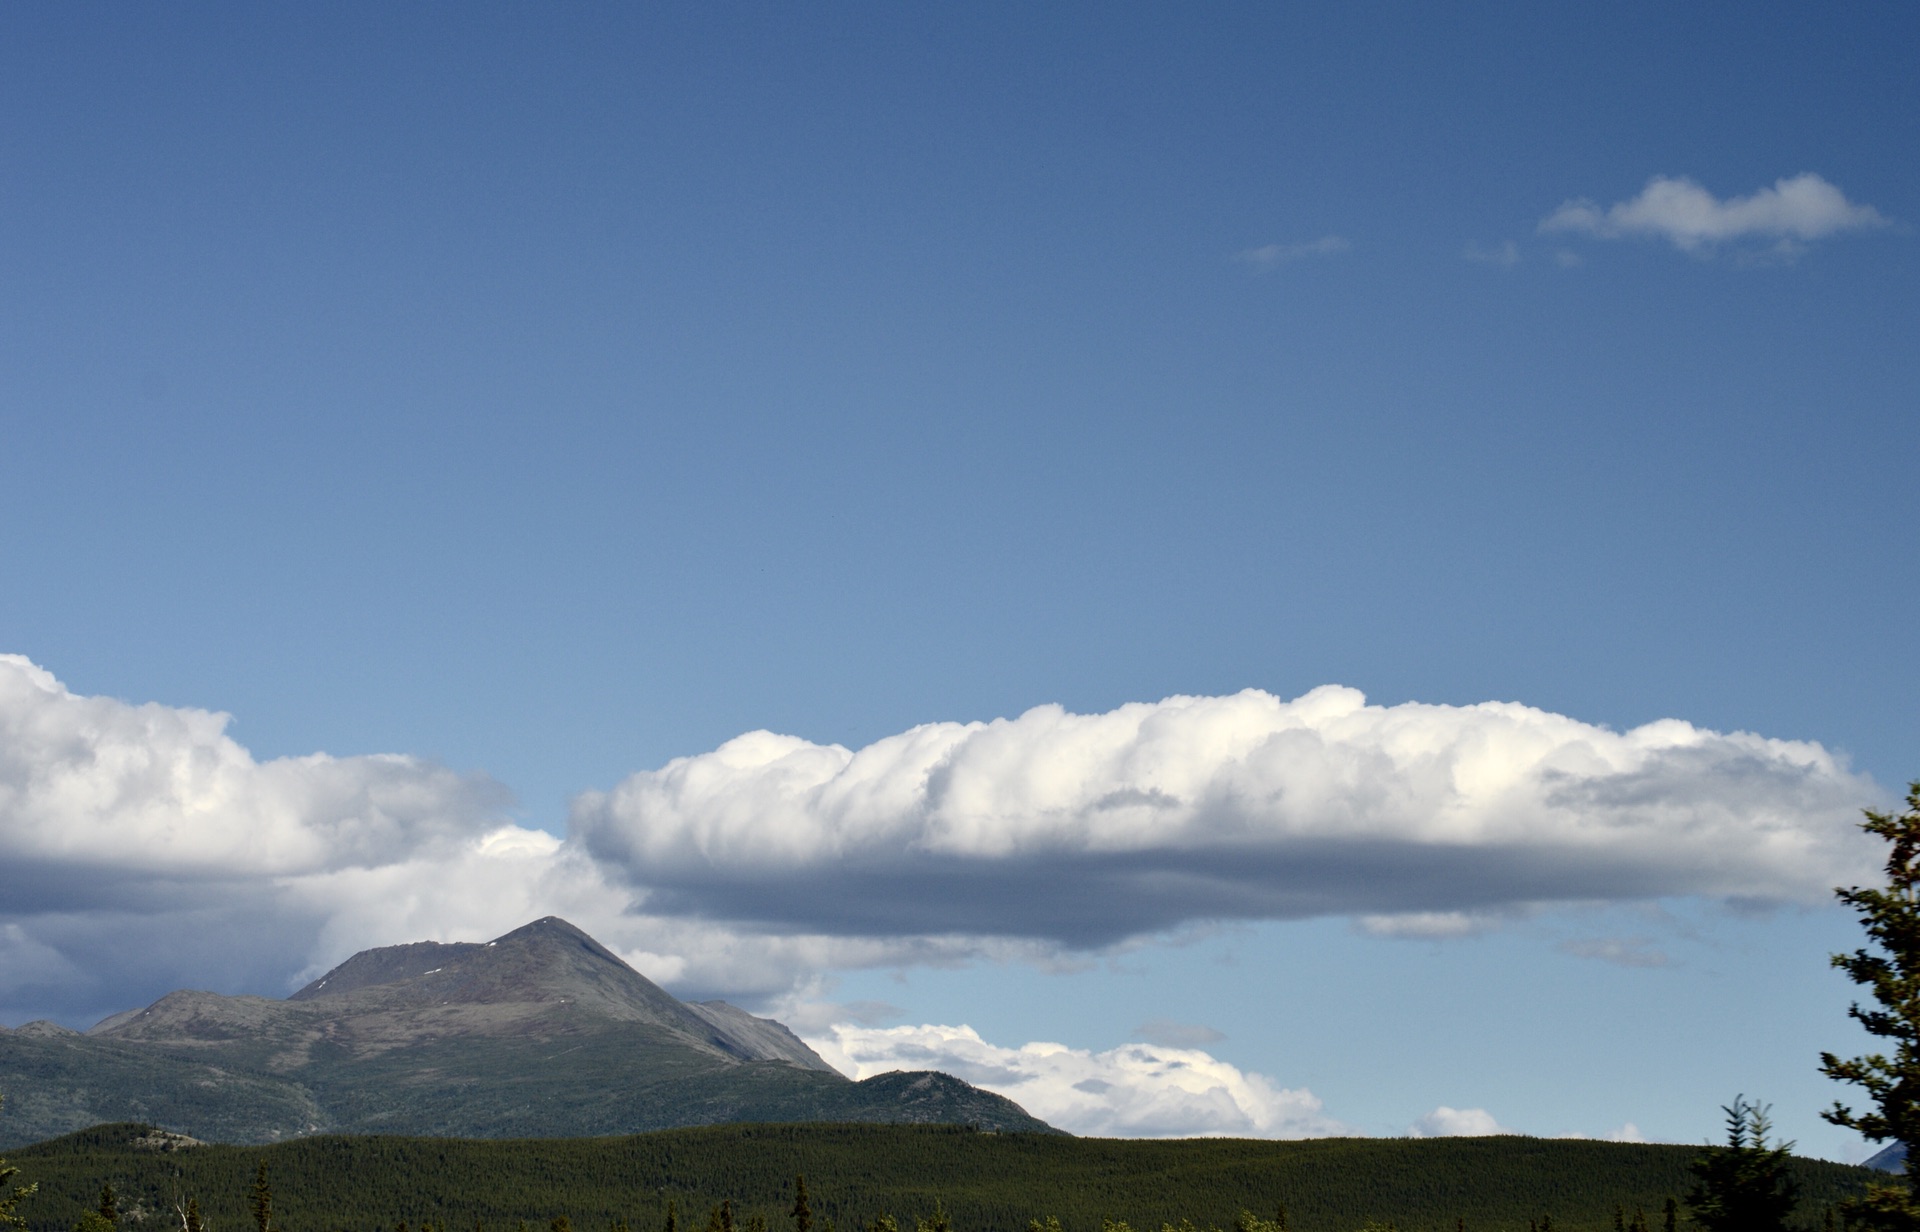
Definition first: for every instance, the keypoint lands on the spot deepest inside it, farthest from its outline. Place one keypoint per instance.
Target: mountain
(543, 1032)
(1889, 1158)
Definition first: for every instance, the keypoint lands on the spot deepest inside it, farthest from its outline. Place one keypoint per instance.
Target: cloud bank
(1084, 830)
(142, 849)
(1133, 1091)
(1796, 210)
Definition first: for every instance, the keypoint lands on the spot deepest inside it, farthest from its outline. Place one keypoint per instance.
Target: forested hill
(986, 1182)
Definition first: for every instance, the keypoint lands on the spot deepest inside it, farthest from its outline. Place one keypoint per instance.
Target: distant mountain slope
(541, 1032)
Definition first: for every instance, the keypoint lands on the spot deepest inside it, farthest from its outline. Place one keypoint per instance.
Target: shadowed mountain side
(540, 1033)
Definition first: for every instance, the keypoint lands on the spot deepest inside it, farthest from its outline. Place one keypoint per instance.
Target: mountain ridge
(542, 1031)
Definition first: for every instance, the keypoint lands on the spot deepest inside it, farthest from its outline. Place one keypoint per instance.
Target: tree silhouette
(802, 1213)
(262, 1202)
(1743, 1186)
(9, 1200)
(1891, 970)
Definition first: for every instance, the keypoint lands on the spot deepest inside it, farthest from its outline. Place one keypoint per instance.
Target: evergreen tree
(887, 1223)
(262, 1200)
(937, 1222)
(1743, 1186)
(560, 1224)
(191, 1221)
(11, 1199)
(1891, 918)
(673, 1217)
(1670, 1213)
(109, 1207)
(802, 1213)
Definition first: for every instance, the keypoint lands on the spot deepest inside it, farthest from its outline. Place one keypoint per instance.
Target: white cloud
(1135, 1090)
(1445, 1122)
(1431, 925)
(142, 849)
(1506, 255)
(1085, 829)
(97, 782)
(1170, 1034)
(1620, 951)
(1268, 256)
(1796, 210)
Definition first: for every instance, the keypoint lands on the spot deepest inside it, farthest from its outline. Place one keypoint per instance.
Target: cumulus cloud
(95, 783)
(1270, 256)
(142, 849)
(1796, 210)
(1086, 829)
(1445, 1122)
(1135, 1090)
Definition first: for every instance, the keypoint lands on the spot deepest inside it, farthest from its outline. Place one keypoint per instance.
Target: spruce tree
(262, 1202)
(1891, 918)
(1671, 1215)
(1744, 1186)
(191, 1221)
(109, 1207)
(802, 1213)
(673, 1217)
(10, 1200)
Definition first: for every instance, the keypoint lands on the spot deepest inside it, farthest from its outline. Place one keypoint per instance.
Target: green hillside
(987, 1182)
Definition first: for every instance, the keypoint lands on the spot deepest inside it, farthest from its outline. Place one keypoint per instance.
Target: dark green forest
(984, 1182)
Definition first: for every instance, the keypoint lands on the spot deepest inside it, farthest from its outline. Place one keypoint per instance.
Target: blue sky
(550, 394)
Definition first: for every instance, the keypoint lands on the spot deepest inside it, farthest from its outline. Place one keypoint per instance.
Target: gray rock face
(758, 1037)
(541, 1032)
